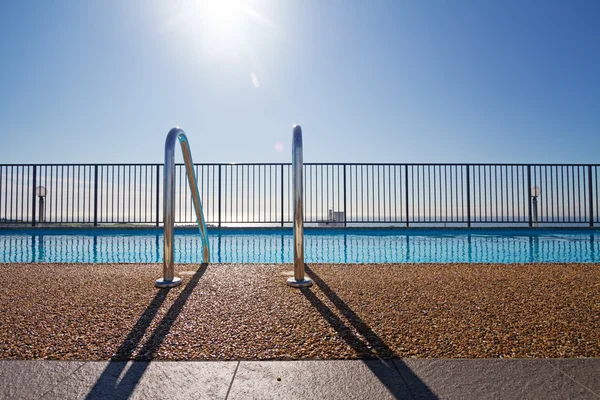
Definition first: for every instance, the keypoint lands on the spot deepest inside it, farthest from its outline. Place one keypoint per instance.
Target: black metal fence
(334, 194)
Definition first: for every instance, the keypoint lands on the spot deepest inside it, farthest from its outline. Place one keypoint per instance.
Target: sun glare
(222, 30)
(214, 20)
(223, 11)
(222, 15)
(216, 26)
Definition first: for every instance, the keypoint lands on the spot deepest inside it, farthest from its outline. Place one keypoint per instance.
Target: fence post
(282, 195)
(591, 195)
(219, 196)
(345, 215)
(529, 195)
(33, 195)
(157, 194)
(96, 195)
(406, 191)
(1, 194)
(468, 196)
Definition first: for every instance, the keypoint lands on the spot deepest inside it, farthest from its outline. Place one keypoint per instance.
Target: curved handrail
(169, 279)
(297, 164)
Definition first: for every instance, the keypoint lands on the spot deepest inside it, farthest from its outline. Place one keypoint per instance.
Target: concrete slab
(333, 379)
(585, 371)
(310, 379)
(31, 379)
(489, 379)
(147, 380)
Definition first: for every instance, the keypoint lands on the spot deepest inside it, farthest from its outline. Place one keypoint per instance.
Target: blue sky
(369, 81)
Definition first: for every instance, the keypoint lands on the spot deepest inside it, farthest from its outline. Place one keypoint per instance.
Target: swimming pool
(321, 245)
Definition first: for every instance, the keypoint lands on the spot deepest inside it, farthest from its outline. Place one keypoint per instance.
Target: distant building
(335, 219)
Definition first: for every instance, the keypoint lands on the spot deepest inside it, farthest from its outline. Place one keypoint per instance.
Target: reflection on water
(254, 246)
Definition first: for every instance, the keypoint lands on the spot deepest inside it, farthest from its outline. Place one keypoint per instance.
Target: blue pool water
(321, 245)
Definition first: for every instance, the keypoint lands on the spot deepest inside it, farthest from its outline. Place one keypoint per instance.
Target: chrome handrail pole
(298, 280)
(169, 279)
(193, 183)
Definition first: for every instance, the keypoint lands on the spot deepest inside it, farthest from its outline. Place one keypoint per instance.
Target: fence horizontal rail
(335, 194)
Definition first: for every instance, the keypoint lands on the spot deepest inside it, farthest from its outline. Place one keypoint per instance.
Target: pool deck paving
(323, 379)
(362, 331)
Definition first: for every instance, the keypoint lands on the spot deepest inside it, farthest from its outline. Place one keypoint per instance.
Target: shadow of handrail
(110, 382)
(371, 346)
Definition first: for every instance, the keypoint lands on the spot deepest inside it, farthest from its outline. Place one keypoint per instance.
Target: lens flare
(254, 80)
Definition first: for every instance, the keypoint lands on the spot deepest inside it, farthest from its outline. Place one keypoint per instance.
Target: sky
(369, 81)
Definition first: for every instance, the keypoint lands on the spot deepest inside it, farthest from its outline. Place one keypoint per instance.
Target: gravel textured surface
(246, 312)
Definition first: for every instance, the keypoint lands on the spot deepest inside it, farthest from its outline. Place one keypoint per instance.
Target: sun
(223, 14)
(215, 20)
(217, 30)
(214, 26)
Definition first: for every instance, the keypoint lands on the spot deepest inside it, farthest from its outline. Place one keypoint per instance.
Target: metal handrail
(298, 280)
(169, 279)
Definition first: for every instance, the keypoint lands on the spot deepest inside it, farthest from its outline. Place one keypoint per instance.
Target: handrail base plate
(162, 283)
(306, 282)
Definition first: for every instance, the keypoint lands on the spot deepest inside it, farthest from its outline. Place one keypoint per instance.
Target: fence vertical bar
(406, 191)
(590, 190)
(33, 195)
(157, 194)
(219, 197)
(468, 196)
(96, 195)
(529, 195)
(1, 193)
(345, 217)
(282, 195)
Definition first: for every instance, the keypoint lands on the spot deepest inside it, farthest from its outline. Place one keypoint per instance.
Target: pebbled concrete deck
(227, 312)
(332, 379)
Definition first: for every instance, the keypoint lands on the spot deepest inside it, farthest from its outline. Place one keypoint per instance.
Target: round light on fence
(40, 191)
(536, 191)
